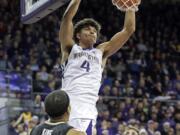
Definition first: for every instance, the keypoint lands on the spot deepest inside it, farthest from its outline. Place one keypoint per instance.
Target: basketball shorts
(85, 125)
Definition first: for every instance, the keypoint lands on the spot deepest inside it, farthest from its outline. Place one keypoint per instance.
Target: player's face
(88, 36)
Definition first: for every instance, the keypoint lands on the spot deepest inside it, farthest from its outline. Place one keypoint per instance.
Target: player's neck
(55, 120)
(85, 46)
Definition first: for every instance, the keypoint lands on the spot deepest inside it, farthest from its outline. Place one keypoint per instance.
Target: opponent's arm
(66, 29)
(119, 39)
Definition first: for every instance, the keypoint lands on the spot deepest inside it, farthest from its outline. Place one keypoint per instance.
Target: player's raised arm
(66, 29)
(120, 38)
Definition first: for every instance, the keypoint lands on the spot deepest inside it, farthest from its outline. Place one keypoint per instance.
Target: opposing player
(83, 64)
(57, 106)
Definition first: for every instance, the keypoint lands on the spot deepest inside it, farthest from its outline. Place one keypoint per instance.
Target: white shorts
(85, 125)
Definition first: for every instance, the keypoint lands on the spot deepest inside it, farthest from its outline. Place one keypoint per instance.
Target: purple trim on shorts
(89, 129)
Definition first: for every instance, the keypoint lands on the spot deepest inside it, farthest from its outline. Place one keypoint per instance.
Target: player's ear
(69, 109)
(78, 36)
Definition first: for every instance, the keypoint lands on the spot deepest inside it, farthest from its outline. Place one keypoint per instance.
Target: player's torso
(83, 72)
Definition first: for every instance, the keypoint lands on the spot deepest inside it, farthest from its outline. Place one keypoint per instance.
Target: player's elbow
(66, 18)
(130, 30)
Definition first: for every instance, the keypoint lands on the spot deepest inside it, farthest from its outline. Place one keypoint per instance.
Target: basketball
(125, 4)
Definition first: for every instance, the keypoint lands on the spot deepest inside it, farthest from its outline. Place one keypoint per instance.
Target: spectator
(150, 127)
(166, 128)
(38, 105)
(143, 132)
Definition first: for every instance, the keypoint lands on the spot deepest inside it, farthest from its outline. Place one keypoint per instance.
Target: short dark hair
(56, 103)
(85, 23)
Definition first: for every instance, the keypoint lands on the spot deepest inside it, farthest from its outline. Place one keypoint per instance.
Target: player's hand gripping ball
(125, 5)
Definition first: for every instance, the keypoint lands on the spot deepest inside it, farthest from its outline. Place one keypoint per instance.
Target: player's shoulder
(74, 131)
(37, 129)
(101, 46)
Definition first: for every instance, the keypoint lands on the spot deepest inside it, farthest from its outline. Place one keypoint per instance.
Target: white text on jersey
(90, 57)
(47, 132)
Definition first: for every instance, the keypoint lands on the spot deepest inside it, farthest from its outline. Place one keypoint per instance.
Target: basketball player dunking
(83, 64)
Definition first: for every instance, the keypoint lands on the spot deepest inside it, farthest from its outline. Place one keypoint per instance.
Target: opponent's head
(57, 104)
(86, 32)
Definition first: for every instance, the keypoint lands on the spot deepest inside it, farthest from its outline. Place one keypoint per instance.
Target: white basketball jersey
(82, 79)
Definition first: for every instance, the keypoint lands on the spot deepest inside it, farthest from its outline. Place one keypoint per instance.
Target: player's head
(57, 104)
(86, 31)
(131, 131)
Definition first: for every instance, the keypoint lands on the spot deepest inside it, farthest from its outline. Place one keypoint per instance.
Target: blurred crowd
(150, 117)
(146, 68)
(28, 118)
(114, 116)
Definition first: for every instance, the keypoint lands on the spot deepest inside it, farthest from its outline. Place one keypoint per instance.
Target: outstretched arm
(119, 39)
(66, 29)
(18, 120)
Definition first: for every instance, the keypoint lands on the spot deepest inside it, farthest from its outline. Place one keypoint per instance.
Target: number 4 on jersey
(86, 65)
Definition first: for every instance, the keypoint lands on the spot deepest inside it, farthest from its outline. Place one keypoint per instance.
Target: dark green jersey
(51, 129)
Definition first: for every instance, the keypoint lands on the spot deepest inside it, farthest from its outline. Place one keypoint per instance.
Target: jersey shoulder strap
(37, 130)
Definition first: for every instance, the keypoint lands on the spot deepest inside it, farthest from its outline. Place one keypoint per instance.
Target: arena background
(141, 83)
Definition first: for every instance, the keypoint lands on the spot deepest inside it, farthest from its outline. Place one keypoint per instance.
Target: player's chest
(91, 56)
